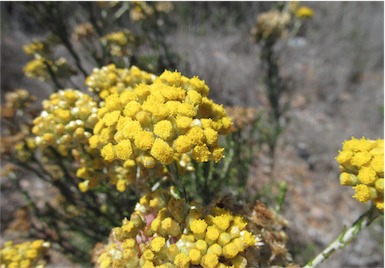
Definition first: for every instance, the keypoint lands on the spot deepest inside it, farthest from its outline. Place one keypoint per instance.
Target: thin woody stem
(345, 237)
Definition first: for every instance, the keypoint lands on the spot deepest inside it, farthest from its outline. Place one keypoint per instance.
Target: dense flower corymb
(23, 255)
(109, 79)
(362, 165)
(166, 231)
(156, 124)
(66, 121)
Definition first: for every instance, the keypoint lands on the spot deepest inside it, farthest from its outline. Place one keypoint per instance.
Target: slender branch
(345, 237)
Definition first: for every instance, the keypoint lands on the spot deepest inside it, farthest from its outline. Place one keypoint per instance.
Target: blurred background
(334, 68)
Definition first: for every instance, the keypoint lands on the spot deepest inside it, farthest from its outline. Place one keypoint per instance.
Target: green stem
(345, 237)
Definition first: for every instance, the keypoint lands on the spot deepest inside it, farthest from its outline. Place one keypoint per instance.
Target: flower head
(157, 124)
(66, 120)
(177, 240)
(27, 254)
(362, 165)
(109, 79)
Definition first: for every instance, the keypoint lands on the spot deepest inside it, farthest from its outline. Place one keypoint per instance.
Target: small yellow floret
(108, 152)
(148, 255)
(209, 260)
(183, 144)
(344, 157)
(363, 193)
(198, 227)
(347, 179)
(366, 175)
(162, 151)
(377, 164)
(215, 249)
(248, 238)
(212, 234)
(201, 153)
(110, 119)
(361, 158)
(181, 260)
(144, 140)
(201, 245)
(230, 250)
(195, 256)
(123, 150)
(157, 244)
(222, 221)
(224, 239)
(163, 129)
(183, 122)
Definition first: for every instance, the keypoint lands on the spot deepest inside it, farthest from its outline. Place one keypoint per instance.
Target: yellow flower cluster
(119, 43)
(165, 231)
(66, 121)
(23, 255)
(155, 124)
(362, 165)
(36, 48)
(270, 25)
(38, 68)
(304, 12)
(109, 79)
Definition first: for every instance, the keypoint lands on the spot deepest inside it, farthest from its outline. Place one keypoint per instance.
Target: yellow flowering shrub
(362, 167)
(166, 231)
(109, 79)
(153, 125)
(24, 255)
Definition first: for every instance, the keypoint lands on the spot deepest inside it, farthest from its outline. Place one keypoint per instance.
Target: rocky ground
(337, 75)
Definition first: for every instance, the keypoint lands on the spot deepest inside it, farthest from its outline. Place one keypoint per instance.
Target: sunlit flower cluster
(166, 231)
(270, 25)
(241, 117)
(66, 121)
(109, 79)
(23, 255)
(304, 12)
(36, 48)
(119, 43)
(362, 165)
(155, 124)
(43, 69)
